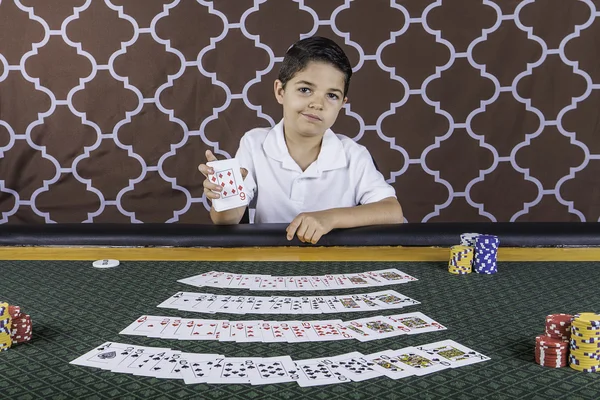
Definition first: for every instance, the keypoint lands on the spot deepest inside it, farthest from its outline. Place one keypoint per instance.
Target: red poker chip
(14, 311)
(545, 340)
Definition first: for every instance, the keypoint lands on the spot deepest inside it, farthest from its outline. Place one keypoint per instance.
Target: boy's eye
(333, 96)
(304, 90)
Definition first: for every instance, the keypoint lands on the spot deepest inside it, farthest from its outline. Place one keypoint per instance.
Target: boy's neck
(304, 150)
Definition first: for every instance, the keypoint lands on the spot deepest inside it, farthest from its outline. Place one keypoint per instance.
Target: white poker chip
(105, 263)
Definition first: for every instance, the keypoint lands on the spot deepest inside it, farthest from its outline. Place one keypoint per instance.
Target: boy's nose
(316, 105)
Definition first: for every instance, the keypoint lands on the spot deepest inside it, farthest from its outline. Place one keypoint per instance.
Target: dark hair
(315, 48)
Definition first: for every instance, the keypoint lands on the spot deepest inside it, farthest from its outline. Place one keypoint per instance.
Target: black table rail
(527, 234)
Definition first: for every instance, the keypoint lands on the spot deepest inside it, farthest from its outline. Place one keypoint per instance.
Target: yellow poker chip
(587, 318)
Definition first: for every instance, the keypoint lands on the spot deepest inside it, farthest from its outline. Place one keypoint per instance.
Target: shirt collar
(332, 155)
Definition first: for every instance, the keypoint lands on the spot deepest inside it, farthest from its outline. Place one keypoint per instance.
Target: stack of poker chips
(5, 325)
(21, 325)
(558, 326)
(468, 239)
(461, 260)
(481, 257)
(585, 343)
(486, 252)
(551, 352)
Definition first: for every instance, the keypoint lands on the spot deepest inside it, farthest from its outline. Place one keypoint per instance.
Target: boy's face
(312, 99)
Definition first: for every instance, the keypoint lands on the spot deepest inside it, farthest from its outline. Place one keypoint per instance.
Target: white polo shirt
(342, 176)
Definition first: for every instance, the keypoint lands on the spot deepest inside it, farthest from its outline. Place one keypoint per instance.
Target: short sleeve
(370, 183)
(244, 156)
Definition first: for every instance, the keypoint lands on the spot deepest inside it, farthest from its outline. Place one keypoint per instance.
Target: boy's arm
(386, 211)
(309, 227)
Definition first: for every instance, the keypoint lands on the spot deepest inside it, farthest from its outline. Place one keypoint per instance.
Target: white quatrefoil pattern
(474, 110)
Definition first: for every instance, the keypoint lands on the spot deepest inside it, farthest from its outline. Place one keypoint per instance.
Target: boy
(300, 172)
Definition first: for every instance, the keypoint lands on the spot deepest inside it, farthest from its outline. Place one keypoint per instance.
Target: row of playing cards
(364, 329)
(215, 368)
(384, 277)
(212, 303)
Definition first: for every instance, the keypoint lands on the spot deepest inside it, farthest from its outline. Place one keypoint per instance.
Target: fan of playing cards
(215, 368)
(364, 329)
(212, 303)
(218, 279)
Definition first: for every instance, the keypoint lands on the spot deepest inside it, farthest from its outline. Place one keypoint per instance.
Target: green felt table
(75, 307)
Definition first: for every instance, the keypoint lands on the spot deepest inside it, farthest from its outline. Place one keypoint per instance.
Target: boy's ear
(345, 101)
(278, 89)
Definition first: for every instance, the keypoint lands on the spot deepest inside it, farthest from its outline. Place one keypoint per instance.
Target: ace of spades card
(106, 355)
(228, 176)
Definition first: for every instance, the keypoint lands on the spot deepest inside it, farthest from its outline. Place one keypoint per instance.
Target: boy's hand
(309, 227)
(209, 187)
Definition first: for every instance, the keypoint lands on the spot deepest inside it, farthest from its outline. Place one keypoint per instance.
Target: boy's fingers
(244, 172)
(211, 195)
(210, 156)
(292, 227)
(211, 186)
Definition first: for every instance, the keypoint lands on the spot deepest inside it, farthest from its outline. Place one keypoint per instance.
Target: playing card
(228, 279)
(155, 363)
(362, 280)
(251, 282)
(233, 306)
(453, 352)
(247, 306)
(200, 366)
(168, 367)
(320, 304)
(352, 368)
(181, 300)
(309, 306)
(204, 329)
(205, 304)
(232, 370)
(390, 299)
(318, 283)
(331, 282)
(169, 331)
(300, 331)
(209, 278)
(259, 305)
(315, 372)
(227, 175)
(248, 331)
(372, 328)
(342, 281)
(106, 355)
(267, 283)
(180, 365)
(146, 325)
(420, 361)
(221, 304)
(274, 370)
(273, 331)
(392, 276)
(129, 364)
(384, 363)
(327, 330)
(416, 322)
(346, 303)
(184, 330)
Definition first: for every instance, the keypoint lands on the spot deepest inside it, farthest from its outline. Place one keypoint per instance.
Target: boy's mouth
(312, 117)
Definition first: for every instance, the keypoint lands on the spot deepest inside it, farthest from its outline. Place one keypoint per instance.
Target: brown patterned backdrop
(473, 110)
